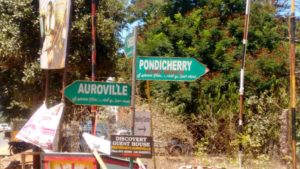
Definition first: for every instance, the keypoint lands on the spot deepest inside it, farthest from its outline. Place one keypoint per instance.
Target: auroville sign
(98, 93)
(166, 68)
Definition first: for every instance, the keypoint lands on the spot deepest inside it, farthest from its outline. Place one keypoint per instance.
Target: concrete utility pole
(133, 85)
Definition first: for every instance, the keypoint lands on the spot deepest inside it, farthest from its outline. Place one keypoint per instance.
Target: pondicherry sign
(169, 69)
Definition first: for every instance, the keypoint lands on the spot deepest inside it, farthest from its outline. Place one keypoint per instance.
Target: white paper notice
(41, 128)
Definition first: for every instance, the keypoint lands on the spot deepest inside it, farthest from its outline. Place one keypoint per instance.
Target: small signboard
(142, 123)
(68, 160)
(129, 45)
(98, 93)
(169, 68)
(131, 146)
(55, 160)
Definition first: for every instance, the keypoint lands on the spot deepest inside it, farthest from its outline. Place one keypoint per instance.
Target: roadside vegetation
(204, 112)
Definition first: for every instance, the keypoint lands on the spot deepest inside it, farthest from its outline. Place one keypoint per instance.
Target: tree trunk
(71, 137)
(284, 137)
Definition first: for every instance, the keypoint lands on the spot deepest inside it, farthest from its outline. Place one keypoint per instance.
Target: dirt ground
(209, 162)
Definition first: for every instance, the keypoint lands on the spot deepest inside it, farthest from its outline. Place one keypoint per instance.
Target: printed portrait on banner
(54, 18)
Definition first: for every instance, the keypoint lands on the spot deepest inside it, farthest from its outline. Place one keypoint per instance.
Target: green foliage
(145, 10)
(110, 21)
(262, 122)
(19, 42)
(156, 45)
(22, 81)
(263, 30)
(201, 147)
(209, 30)
(212, 32)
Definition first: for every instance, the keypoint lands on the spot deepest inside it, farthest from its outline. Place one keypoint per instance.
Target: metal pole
(149, 102)
(93, 18)
(293, 82)
(36, 159)
(241, 90)
(133, 83)
(67, 53)
(46, 85)
(60, 134)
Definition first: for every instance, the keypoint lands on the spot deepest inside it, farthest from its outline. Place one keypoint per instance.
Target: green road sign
(98, 93)
(129, 45)
(169, 69)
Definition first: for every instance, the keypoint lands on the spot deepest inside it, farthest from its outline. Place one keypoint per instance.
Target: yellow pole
(293, 83)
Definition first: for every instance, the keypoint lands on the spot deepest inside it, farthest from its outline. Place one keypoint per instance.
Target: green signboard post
(169, 69)
(98, 93)
(129, 45)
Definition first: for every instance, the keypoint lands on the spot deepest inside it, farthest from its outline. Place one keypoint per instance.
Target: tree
(212, 32)
(19, 44)
(20, 74)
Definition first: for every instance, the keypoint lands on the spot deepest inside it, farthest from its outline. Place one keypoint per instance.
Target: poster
(54, 18)
(40, 129)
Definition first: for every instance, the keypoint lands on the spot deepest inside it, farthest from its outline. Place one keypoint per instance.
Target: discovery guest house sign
(131, 146)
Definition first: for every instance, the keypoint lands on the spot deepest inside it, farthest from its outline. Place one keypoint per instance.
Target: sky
(128, 30)
(287, 12)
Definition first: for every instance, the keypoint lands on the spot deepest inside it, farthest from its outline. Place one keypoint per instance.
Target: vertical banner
(55, 27)
(41, 128)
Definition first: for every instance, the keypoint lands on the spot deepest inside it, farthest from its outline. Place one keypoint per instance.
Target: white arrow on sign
(142, 124)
